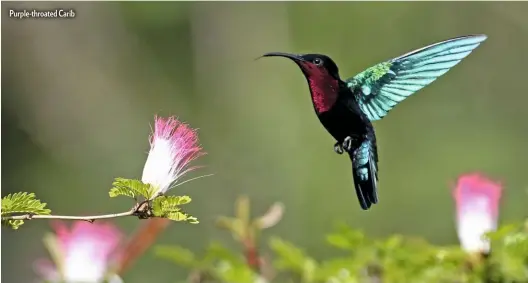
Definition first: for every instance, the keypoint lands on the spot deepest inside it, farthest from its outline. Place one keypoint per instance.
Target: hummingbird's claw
(338, 148)
(347, 144)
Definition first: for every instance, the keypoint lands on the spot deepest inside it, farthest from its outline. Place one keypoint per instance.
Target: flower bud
(477, 205)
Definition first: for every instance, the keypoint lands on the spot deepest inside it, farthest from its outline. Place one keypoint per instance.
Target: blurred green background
(78, 98)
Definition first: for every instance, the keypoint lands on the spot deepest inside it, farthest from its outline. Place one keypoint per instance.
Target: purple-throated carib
(347, 108)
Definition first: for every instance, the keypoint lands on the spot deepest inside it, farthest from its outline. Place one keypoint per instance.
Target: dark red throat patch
(323, 87)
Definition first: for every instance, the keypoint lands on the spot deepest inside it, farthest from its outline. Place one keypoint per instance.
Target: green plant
(395, 259)
(173, 145)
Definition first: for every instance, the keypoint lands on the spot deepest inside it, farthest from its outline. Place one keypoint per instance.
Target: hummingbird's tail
(365, 173)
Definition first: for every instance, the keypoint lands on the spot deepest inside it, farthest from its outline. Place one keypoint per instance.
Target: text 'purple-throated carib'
(347, 108)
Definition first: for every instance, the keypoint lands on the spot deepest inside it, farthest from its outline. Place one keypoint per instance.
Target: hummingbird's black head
(322, 76)
(311, 64)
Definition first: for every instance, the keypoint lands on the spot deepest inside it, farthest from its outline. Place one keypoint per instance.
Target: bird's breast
(340, 121)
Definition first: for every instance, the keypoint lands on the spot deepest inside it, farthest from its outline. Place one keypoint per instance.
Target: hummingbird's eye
(318, 61)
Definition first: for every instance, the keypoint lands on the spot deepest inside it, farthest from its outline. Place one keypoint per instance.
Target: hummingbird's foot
(338, 148)
(347, 144)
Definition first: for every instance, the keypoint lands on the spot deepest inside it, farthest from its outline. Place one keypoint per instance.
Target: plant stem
(92, 218)
(141, 241)
(252, 256)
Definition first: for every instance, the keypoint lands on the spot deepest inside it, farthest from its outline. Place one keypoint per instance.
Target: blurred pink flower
(82, 253)
(173, 145)
(477, 203)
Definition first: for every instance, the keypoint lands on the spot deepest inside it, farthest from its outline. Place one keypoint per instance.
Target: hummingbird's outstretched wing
(379, 88)
(365, 172)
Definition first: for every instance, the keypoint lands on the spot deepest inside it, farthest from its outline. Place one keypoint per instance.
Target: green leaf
(243, 215)
(53, 246)
(215, 251)
(339, 270)
(21, 203)
(131, 188)
(502, 232)
(270, 218)
(293, 259)
(226, 223)
(229, 266)
(233, 225)
(112, 278)
(176, 254)
(218, 265)
(227, 272)
(169, 207)
(15, 224)
(509, 253)
(346, 238)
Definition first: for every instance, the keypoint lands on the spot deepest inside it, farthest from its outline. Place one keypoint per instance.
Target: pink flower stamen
(87, 251)
(173, 146)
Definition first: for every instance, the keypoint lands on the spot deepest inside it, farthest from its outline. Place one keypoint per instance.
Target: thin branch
(68, 217)
(141, 241)
(141, 210)
(252, 255)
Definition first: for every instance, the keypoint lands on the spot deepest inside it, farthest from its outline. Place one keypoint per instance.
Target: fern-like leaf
(131, 188)
(21, 203)
(169, 207)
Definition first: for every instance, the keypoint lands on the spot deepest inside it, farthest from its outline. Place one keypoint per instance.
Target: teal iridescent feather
(381, 87)
(365, 171)
(364, 154)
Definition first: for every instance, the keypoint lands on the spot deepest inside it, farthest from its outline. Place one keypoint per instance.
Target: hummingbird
(347, 108)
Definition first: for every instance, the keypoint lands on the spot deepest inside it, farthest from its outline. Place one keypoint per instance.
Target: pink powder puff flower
(173, 145)
(83, 253)
(477, 204)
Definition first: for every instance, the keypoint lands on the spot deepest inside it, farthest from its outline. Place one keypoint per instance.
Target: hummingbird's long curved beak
(293, 57)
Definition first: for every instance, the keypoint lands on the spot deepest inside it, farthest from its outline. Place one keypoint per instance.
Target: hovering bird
(347, 108)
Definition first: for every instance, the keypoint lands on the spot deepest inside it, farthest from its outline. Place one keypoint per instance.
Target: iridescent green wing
(379, 88)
